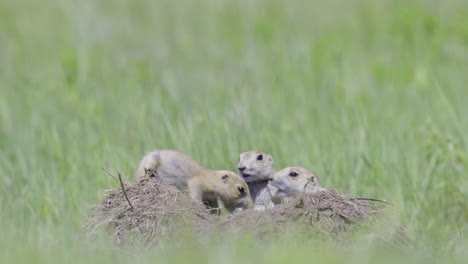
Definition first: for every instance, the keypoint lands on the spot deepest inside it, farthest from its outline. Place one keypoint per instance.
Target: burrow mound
(161, 211)
(328, 212)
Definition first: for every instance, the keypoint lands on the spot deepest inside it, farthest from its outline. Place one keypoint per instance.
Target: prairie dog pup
(265, 198)
(170, 166)
(293, 180)
(286, 183)
(225, 185)
(256, 167)
(176, 168)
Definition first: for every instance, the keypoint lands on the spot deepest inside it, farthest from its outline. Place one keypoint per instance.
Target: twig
(121, 185)
(123, 189)
(374, 199)
(303, 190)
(108, 173)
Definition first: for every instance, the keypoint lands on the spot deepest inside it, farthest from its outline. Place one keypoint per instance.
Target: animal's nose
(241, 169)
(250, 203)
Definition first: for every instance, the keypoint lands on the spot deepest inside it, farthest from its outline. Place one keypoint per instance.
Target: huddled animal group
(258, 186)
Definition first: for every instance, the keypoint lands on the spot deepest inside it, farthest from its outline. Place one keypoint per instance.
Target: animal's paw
(259, 207)
(237, 210)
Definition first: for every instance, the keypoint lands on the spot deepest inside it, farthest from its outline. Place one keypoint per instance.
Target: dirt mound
(162, 211)
(157, 210)
(328, 213)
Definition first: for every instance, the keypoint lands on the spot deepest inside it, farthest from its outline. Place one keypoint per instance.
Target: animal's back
(172, 167)
(176, 167)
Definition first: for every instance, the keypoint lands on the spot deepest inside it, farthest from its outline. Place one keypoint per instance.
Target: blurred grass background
(371, 95)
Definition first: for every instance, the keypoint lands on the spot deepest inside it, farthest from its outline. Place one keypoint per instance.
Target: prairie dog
(266, 198)
(292, 180)
(286, 183)
(178, 169)
(256, 167)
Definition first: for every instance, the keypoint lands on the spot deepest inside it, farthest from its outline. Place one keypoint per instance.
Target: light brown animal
(178, 169)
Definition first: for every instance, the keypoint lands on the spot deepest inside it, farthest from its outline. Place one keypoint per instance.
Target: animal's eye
(260, 157)
(241, 189)
(293, 174)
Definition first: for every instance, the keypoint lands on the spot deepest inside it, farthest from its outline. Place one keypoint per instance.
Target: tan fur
(289, 185)
(257, 174)
(205, 185)
(253, 169)
(265, 198)
(285, 185)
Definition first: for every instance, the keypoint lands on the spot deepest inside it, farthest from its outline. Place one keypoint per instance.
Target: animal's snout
(249, 203)
(244, 203)
(241, 169)
(277, 184)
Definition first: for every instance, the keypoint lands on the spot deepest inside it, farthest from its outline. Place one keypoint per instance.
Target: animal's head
(293, 180)
(233, 191)
(255, 166)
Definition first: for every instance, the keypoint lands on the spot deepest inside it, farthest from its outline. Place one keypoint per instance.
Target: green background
(370, 95)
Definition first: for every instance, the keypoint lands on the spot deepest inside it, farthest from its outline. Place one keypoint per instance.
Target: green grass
(371, 95)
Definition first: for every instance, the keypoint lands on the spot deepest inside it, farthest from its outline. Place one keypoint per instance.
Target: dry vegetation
(156, 211)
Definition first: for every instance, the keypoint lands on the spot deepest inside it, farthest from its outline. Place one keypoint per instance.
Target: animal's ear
(225, 178)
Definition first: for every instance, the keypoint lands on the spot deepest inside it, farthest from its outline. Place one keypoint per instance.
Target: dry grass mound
(161, 211)
(328, 212)
(157, 211)
(329, 215)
